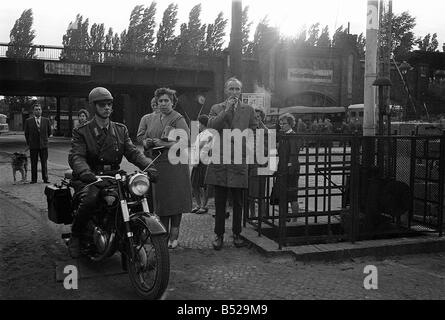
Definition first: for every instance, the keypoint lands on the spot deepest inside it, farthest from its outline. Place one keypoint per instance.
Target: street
(31, 249)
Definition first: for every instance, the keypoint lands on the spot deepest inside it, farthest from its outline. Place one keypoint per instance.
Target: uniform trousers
(87, 203)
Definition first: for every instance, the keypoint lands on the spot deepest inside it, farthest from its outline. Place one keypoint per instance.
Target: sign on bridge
(310, 75)
(67, 69)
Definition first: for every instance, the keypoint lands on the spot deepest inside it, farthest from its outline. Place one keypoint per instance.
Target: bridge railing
(85, 55)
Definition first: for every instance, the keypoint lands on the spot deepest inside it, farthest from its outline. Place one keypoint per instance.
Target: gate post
(412, 173)
(355, 189)
(441, 182)
(283, 157)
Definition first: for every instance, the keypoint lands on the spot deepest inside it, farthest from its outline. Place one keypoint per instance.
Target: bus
(355, 112)
(308, 114)
(4, 128)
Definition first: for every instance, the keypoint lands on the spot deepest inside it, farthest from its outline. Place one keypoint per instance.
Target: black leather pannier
(59, 204)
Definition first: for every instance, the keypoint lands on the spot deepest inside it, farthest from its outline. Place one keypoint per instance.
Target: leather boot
(74, 247)
(218, 242)
(238, 241)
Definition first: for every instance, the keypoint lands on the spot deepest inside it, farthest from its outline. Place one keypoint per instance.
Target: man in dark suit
(37, 131)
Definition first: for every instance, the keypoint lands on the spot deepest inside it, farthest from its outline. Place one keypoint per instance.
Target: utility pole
(388, 62)
(235, 48)
(372, 27)
(385, 50)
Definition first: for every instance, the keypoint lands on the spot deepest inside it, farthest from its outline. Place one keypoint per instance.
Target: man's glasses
(103, 104)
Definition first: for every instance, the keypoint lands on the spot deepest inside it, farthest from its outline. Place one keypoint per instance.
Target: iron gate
(351, 188)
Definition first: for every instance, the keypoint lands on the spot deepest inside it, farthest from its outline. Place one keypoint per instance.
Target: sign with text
(256, 100)
(67, 69)
(309, 75)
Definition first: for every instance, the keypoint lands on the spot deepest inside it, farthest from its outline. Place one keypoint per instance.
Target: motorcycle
(122, 222)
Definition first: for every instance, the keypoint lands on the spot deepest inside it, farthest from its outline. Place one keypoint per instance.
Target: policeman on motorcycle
(97, 149)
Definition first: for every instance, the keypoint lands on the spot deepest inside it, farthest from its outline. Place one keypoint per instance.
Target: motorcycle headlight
(138, 184)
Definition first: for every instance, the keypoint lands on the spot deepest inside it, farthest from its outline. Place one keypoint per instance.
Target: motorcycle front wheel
(150, 270)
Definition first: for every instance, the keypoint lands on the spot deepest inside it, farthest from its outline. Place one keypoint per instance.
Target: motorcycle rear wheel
(152, 257)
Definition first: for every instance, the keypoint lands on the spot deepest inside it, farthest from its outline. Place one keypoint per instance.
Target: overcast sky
(51, 18)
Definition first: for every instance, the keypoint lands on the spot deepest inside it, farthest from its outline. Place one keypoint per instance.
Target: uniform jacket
(37, 138)
(92, 149)
(243, 117)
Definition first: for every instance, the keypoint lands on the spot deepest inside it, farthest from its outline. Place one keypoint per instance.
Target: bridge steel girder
(27, 77)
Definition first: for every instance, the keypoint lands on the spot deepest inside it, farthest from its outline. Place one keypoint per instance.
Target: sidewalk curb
(346, 250)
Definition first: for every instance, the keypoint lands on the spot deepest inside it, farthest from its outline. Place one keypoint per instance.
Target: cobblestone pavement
(30, 247)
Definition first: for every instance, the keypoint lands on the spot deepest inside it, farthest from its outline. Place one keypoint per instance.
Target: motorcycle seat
(68, 174)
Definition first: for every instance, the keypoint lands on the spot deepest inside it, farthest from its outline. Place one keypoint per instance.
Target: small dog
(19, 163)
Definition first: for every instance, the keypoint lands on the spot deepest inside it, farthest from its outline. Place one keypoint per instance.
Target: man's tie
(38, 123)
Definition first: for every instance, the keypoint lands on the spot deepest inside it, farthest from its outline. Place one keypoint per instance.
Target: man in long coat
(229, 175)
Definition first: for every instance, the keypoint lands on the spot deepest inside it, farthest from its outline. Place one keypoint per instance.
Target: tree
(22, 37)
(324, 39)
(428, 43)
(361, 45)
(181, 41)
(147, 29)
(313, 34)
(131, 37)
(402, 34)
(111, 45)
(165, 38)
(75, 38)
(215, 35)
(19, 104)
(339, 37)
(245, 30)
(191, 38)
(108, 45)
(266, 38)
(97, 41)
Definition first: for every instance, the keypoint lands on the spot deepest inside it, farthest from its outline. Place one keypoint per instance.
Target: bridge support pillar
(70, 116)
(57, 133)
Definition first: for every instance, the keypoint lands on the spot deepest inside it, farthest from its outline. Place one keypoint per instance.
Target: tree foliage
(192, 36)
(265, 38)
(428, 43)
(147, 28)
(22, 36)
(402, 26)
(340, 37)
(324, 40)
(313, 36)
(215, 35)
(96, 41)
(131, 37)
(245, 30)
(165, 38)
(76, 38)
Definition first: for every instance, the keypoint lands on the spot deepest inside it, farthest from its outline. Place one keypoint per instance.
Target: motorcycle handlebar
(103, 177)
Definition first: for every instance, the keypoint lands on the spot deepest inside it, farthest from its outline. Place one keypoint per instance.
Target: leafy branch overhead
(144, 36)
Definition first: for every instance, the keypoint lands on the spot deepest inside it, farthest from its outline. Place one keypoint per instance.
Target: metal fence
(85, 55)
(350, 188)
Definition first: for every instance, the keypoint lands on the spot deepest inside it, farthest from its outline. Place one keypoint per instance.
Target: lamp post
(381, 83)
